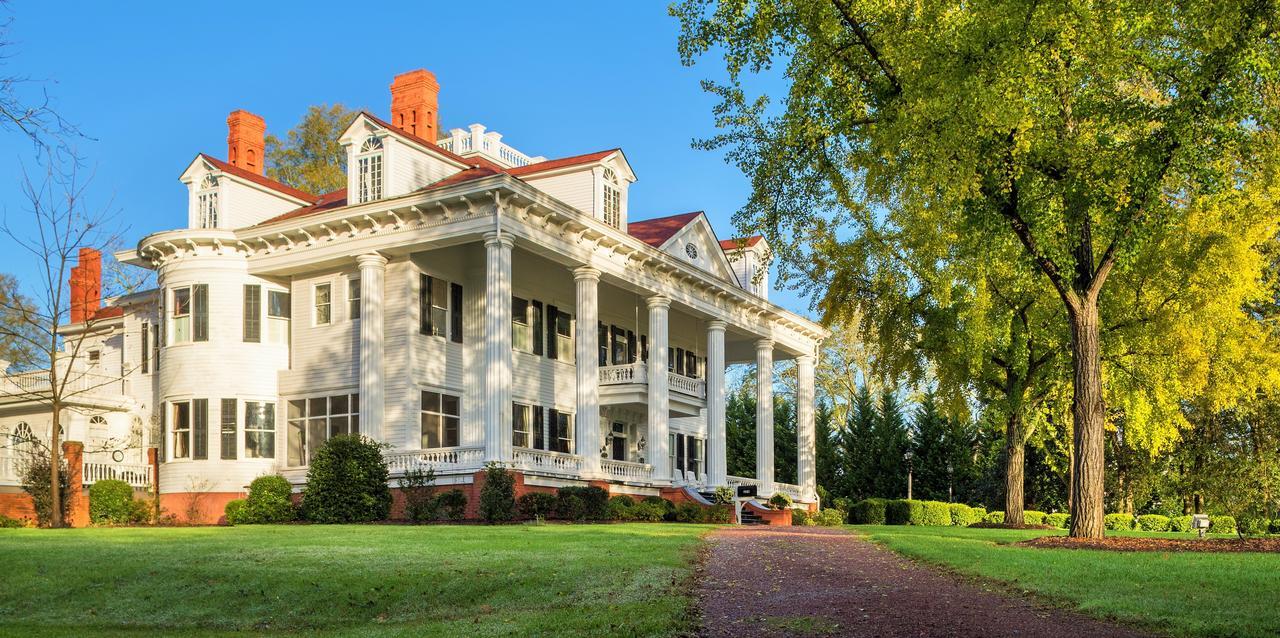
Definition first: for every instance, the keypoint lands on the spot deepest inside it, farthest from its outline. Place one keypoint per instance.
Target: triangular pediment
(696, 244)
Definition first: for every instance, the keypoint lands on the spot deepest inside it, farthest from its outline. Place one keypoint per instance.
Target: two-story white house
(461, 301)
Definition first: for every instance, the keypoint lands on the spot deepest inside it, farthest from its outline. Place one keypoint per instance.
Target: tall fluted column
(764, 415)
(659, 400)
(497, 347)
(373, 269)
(588, 364)
(717, 460)
(806, 443)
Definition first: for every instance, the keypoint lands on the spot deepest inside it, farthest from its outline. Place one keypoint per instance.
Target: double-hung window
(528, 427)
(563, 344)
(441, 415)
(311, 422)
(277, 316)
(433, 306)
(323, 302)
(260, 429)
(181, 320)
(560, 425)
(369, 171)
(612, 199)
(207, 202)
(353, 298)
(181, 429)
(190, 313)
(521, 325)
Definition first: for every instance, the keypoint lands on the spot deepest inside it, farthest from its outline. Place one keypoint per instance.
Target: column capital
(371, 260)
(806, 359)
(582, 273)
(764, 343)
(658, 301)
(493, 237)
(716, 325)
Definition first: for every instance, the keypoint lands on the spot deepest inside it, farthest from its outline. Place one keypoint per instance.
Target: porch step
(749, 517)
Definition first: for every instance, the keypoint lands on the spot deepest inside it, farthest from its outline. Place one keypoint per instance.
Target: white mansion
(459, 300)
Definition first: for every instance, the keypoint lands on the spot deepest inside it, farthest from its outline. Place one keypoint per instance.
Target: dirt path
(806, 581)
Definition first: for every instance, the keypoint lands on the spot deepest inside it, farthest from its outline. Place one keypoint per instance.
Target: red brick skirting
(770, 516)
(16, 503)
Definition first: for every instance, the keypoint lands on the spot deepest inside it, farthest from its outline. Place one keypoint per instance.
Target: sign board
(746, 491)
(1199, 521)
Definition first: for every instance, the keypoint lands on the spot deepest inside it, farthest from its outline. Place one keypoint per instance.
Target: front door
(619, 452)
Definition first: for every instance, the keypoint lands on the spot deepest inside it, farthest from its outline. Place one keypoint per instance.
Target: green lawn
(378, 580)
(1184, 594)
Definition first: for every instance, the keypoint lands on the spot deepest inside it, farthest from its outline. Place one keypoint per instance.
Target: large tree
(1081, 130)
(310, 158)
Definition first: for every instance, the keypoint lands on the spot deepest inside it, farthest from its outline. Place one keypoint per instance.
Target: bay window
(440, 415)
(310, 422)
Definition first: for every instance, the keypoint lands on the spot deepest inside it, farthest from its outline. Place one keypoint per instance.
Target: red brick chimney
(246, 140)
(415, 98)
(86, 285)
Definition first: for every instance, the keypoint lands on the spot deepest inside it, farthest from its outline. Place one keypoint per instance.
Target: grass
(519, 580)
(1183, 594)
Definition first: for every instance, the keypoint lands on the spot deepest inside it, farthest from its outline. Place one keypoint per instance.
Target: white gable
(407, 164)
(696, 244)
(239, 201)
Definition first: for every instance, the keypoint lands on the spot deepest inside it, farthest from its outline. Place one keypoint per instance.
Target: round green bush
(1180, 523)
(536, 505)
(648, 512)
(996, 518)
(1118, 521)
(868, 512)
(830, 517)
(268, 502)
(622, 508)
(1059, 520)
(110, 502)
(498, 496)
(1153, 523)
(962, 515)
(1032, 517)
(453, 504)
(801, 517)
(234, 512)
(779, 501)
(1222, 524)
(934, 514)
(347, 482)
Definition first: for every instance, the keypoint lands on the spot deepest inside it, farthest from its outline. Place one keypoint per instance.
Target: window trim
(353, 297)
(270, 413)
(317, 305)
(445, 417)
(370, 165)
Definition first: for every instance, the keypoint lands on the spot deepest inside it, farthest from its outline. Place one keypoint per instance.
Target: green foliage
(420, 505)
(621, 508)
(310, 158)
(1222, 524)
(723, 495)
(934, 513)
(830, 518)
(687, 512)
(649, 512)
(35, 470)
(11, 523)
(1153, 523)
(453, 504)
(779, 501)
(1058, 520)
(869, 511)
(717, 514)
(996, 518)
(1252, 526)
(536, 505)
(1118, 521)
(1180, 524)
(582, 503)
(904, 512)
(110, 502)
(498, 496)
(801, 517)
(233, 512)
(1032, 517)
(962, 515)
(347, 482)
(269, 501)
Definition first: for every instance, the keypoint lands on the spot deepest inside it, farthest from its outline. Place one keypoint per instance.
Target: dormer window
(612, 199)
(207, 202)
(369, 170)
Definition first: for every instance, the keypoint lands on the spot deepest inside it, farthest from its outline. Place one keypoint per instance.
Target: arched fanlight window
(612, 199)
(207, 202)
(21, 436)
(369, 170)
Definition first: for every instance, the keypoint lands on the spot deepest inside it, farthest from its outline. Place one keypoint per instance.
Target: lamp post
(907, 458)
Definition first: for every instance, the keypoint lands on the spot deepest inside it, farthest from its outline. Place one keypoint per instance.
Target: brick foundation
(197, 508)
(16, 503)
(777, 518)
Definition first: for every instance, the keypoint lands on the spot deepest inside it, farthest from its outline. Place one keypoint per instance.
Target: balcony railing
(626, 470)
(488, 143)
(136, 475)
(638, 373)
(450, 458)
(37, 382)
(547, 462)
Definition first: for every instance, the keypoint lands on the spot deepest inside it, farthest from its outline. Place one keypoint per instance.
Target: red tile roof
(327, 201)
(656, 232)
(469, 161)
(562, 162)
(740, 242)
(258, 179)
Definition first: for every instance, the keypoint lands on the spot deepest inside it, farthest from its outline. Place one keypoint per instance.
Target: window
(228, 429)
(95, 356)
(22, 437)
(602, 344)
(190, 313)
(561, 431)
(98, 427)
(612, 199)
(353, 298)
(311, 422)
(252, 313)
(277, 316)
(260, 430)
(440, 419)
(522, 425)
(369, 176)
(619, 346)
(433, 306)
(207, 202)
(181, 322)
(323, 301)
(521, 328)
(181, 429)
(560, 333)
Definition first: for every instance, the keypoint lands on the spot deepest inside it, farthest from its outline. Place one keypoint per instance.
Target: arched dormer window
(207, 202)
(22, 437)
(612, 199)
(369, 170)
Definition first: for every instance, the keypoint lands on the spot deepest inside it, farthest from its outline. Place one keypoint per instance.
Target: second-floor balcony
(629, 383)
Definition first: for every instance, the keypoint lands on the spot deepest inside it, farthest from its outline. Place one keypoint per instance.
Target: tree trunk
(1087, 418)
(55, 466)
(1014, 467)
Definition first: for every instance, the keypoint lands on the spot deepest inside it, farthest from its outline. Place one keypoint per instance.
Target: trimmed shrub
(962, 515)
(420, 504)
(830, 517)
(718, 514)
(110, 502)
(347, 482)
(35, 482)
(1153, 523)
(779, 501)
(1252, 525)
(269, 501)
(649, 512)
(586, 503)
(1180, 524)
(869, 511)
(234, 512)
(723, 495)
(621, 508)
(688, 513)
(996, 518)
(1032, 517)
(11, 523)
(1274, 528)
(453, 504)
(979, 513)
(1117, 521)
(1222, 524)
(498, 496)
(903, 512)
(843, 504)
(536, 505)
(801, 517)
(1060, 520)
(934, 514)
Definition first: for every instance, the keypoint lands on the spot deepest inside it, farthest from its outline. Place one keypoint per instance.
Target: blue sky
(152, 86)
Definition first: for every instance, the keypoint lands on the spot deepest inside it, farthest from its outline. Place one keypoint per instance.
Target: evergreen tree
(784, 439)
(890, 441)
(857, 450)
(740, 432)
(931, 453)
(828, 459)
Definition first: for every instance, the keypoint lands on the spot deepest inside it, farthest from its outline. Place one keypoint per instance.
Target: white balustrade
(684, 385)
(450, 458)
(135, 474)
(73, 382)
(793, 491)
(629, 373)
(10, 467)
(549, 462)
(487, 143)
(626, 470)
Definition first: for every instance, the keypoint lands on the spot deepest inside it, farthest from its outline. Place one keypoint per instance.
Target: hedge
(582, 503)
(536, 505)
(1180, 524)
(1118, 521)
(996, 518)
(1222, 524)
(110, 502)
(829, 517)
(1153, 523)
(1032, 517)
(1060, 520)
(962, 515)
(869, 511)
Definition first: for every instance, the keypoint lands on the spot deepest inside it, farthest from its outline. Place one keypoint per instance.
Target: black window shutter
(252, 313)
(200, 429)
(424, 304)
(644, 347)
(146, 347)
(539, 427)
(455, 313)
(552, 313)
(603, 345)
(633, 352)
(164, 430)
(536, 327)
(155, 345)
(553, 429)
(228, 429)
(200, 309)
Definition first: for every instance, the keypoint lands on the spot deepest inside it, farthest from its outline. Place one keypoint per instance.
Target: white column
(764, 415)
(497, 347)
(806, 445)
(588, 363)
(659, 400)
(717, 460)
(373, 268)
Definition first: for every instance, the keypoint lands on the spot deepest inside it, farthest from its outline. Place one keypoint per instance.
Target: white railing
(10, 467)
(793, 491)
(137, 475)
(735, 481)
(450, 458)
(38, 381)
(487, 143)
(549, 462)
(629, 373)
(626, 470)
(684, 385)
